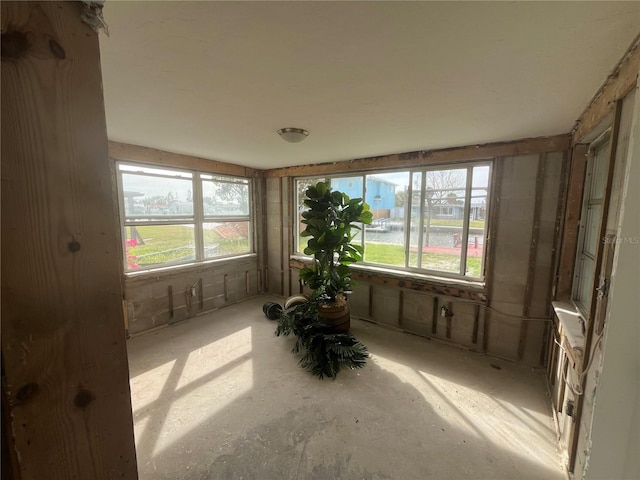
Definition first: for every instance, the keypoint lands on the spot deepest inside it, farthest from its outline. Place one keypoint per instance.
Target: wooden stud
(557, 232)
(571, 221)
(64, 356)
(170, 297)
(533, 253)
(400, 308)
(226, 287)
(247, 279)
(435, 312)
(449, 319)
(201, 294)
(494, 212)
(623, 79)
(557, 143)
(370, 301)
(476, 322)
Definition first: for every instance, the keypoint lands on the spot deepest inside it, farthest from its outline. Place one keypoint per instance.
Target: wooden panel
(620, 82)
(432, 157)
(63, 338)
(125, 151)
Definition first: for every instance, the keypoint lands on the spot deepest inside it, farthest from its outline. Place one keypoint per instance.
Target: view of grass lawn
(175, 243)
(390, 254)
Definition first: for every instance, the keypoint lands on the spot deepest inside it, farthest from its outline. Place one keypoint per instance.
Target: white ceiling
(217, 79)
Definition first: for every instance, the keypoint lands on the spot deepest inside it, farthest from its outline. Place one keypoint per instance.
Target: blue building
(381, 194)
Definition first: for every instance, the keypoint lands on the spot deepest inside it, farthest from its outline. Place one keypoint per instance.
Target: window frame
(198, 218)
(453, 277)
(601, 144)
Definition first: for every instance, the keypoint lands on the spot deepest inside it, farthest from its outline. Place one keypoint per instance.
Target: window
(172, 217)
(590, 219)
(427, 220)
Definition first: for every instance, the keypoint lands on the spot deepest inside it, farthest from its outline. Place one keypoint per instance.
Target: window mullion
(423, 188)
(407, 221)
(465, 222)
(198, 213)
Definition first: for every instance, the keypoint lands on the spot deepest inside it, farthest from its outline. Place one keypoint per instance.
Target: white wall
(615, 433)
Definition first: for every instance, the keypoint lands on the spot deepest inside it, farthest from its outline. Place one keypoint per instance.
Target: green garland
(325, 352)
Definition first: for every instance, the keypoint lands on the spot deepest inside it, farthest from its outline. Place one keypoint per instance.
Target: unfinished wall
(155, 300)
(509, 316)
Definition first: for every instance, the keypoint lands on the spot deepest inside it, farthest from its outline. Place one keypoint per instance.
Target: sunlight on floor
(177, 396)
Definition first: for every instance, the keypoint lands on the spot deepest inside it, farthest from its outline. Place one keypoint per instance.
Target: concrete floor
(220, 397)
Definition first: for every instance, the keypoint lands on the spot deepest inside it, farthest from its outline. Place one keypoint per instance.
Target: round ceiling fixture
(293, 135)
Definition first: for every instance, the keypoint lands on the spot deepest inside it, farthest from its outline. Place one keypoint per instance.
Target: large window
(173, 217)
(428, 220)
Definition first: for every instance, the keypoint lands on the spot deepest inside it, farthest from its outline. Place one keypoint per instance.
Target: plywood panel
(63, 338)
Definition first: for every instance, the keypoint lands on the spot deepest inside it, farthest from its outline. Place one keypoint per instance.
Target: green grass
(174, 243)
(394, 255)
(442, 222)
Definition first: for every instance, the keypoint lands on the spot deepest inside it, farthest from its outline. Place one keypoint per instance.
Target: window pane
(477, 220)
(225, 198)
(226, 238)
(592, 229)
(444, 219)
(301, 186)
(586, 270)
(157, 245)
(386, 195)
(352, 186)
(414, 220)
(598, 174)
(150, 197)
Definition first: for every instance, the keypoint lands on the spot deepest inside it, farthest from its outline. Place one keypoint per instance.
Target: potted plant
(331, 223)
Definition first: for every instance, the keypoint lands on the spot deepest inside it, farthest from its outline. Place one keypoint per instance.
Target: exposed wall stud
(533, 253)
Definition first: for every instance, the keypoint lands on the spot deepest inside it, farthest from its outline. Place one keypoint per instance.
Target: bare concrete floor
(220, 397)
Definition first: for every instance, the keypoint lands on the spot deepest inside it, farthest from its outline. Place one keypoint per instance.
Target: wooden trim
(623, 79)
(533, 253)
(556, 143)
(566, 263)
(137, 153)
(613, 148)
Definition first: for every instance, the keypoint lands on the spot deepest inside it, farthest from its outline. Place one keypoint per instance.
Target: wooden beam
(63, 338)
(139, 154)
(401, 281)
(623, 79)
(571, 225)
(557, 143)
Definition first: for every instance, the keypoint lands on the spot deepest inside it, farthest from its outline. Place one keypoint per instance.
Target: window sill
(570, 322)
(472, 290)
(193, 267)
